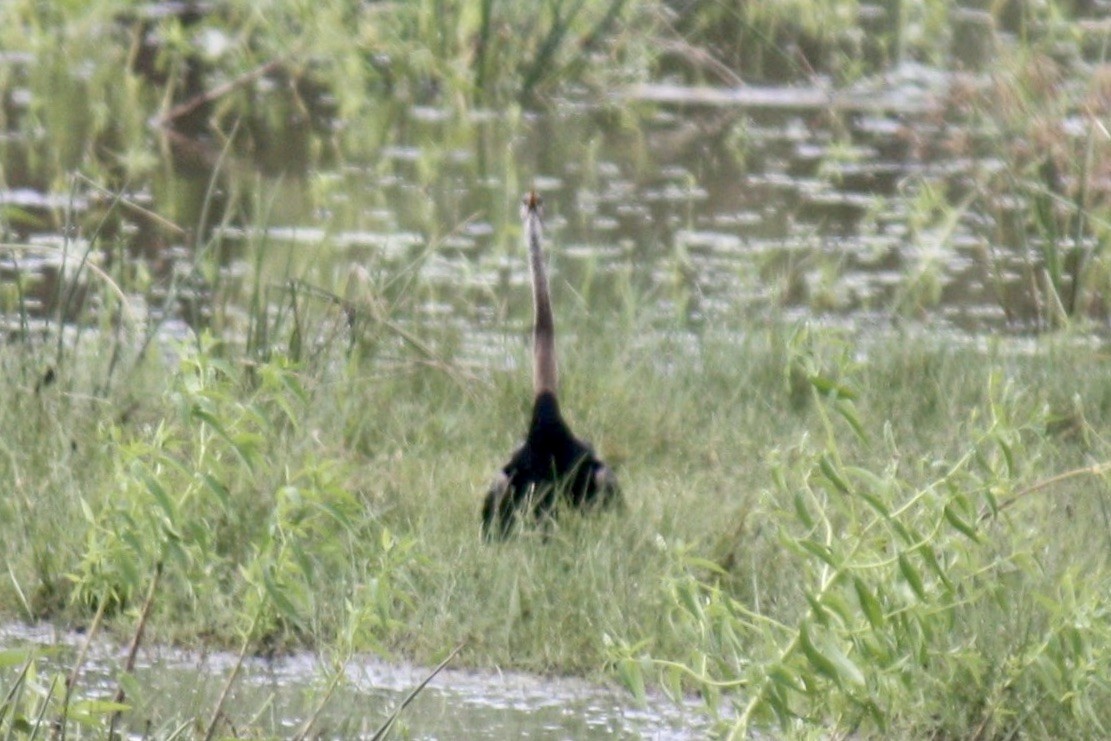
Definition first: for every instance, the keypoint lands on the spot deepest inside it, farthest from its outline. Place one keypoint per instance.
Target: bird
(552, 467)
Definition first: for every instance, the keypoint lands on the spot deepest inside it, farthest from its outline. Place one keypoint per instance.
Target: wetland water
(280, 694)
(702, 208)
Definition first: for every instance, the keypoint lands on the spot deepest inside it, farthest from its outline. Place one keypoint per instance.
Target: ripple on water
(731, 176)
(457, 701)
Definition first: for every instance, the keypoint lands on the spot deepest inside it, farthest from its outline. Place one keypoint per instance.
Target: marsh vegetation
(833, 289)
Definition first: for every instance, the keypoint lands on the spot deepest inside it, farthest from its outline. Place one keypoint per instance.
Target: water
(176, 687)
(711, 207)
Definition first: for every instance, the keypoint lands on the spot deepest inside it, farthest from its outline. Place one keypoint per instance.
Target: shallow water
(279, 694)
(704, 207)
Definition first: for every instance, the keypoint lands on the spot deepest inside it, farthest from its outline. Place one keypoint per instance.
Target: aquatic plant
(103, 86)
(1032, 187)
(31, 700)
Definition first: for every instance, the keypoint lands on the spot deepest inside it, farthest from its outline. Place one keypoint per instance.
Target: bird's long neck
(544, 374)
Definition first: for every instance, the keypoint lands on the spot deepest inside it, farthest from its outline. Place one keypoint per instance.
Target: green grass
(333, 506)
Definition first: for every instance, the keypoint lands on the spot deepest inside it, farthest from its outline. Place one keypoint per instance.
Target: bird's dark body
(551, 468)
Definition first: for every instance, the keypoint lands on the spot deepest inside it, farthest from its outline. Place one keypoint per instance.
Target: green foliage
(829, 550)
(904, 601)
(775, 41)
(31, 699)
(489, 52)
(213, 491)
(211, 511)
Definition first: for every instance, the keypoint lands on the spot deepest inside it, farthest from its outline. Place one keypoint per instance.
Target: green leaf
(801, 511)
(88, 710)
(131, 686)
(631, 675)
(872, 484)
(830, 661)
(293, 384)
(279, 598)
(818, 549)
(821, 615)
(157, 492)
(304, 563)
(14, 656)
(829, 387)
(848, 413)
(728, 637)
(847, 670)
(208, 419)
(335, 513)
(869, 604)
(688, 598)
(784, 676)
(18, 216)
(694, 562)
(1008, 455)
(906, 568)
(963, 526)
(929, 555)
(88, 512)
(217, 487)
(830, 472)
(907, 534)
(821, 663)
(670, 679)
(833, 601)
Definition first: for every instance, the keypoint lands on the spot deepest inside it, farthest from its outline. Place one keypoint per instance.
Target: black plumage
(552, 467)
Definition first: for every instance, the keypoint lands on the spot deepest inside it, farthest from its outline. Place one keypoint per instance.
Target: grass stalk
(12, 696)
(203, 246)
(119, 197)
(218, 711)
(78, 663)
(321, 702)
(136, 640)
(1096, 470)
(542, 62)
(96, 270)
(482, 46)
(385, 728)
(210, 96)
(1083, 256)
(39, 723)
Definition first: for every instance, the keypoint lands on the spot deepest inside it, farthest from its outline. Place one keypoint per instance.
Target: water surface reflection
(280, 694)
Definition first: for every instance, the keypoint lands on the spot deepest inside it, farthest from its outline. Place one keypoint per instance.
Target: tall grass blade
(385, 728)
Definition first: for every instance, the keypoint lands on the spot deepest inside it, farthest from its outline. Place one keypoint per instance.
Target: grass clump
(1029, 193)
(882, 582)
